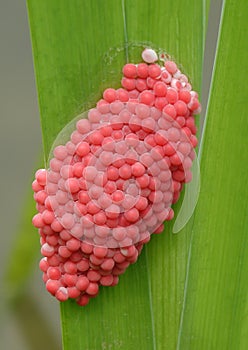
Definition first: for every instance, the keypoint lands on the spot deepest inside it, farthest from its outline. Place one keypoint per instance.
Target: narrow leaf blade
(215, 305)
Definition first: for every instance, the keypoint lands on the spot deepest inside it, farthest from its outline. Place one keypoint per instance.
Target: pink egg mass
(113, 183)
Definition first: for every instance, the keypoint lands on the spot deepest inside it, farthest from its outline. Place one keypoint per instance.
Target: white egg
(149, 56)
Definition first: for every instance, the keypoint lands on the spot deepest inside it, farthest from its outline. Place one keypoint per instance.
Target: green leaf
(79, 48)
(215, 307)
(70, 48)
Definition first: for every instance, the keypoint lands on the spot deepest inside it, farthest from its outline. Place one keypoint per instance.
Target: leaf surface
(215, 307)
(79, 49)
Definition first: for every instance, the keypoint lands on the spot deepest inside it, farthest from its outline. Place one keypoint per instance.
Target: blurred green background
(29, 316)
(33, 315)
